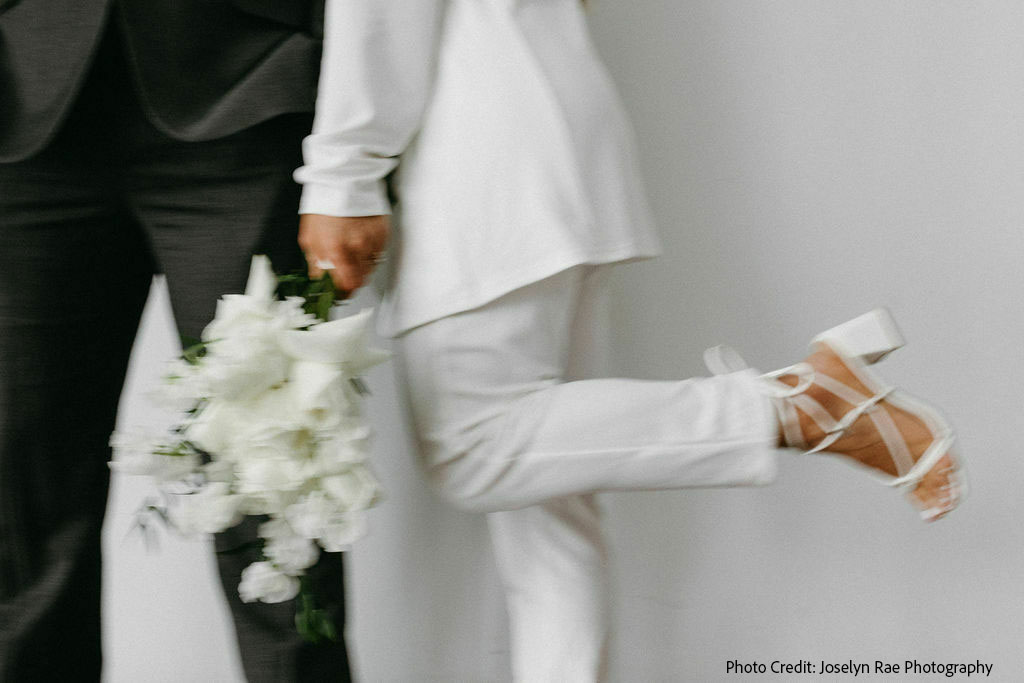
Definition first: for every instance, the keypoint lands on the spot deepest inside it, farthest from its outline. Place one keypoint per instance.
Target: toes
(929, 506)
(938, 492)
(926, 502)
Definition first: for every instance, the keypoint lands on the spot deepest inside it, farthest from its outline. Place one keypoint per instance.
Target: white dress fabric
(517, 159)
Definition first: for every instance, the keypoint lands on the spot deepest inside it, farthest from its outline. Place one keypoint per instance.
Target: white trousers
(509, 422)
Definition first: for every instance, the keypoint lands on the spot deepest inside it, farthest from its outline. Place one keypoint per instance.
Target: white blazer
(516, 158)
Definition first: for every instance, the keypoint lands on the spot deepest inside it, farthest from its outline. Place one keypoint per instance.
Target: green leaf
(319, 295)
(325, 625)
(360, 386)
(323, 305)
(194, 352)
(313, 624)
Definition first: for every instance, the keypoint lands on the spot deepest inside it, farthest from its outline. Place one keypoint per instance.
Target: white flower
(337, 453)
(354, 489)
(212, 429)
(343, 531)
(259, 475)
(261, 581)
(242, 366)
(318, 517)
(290, 553)
(319, 392)
(311, 515)
(262, 282)
(283, 425)
(264, 434)
(268, 502)
(218, 471)
(257, 311)
(340, 342)
(234, 429)
(329, 461)
(140, 453)
(243, 357)
(208, 511)
(275, 529)
(180, 389)
(239, 315)
(290, 314)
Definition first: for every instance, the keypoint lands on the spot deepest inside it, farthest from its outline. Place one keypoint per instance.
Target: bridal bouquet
(272, 425)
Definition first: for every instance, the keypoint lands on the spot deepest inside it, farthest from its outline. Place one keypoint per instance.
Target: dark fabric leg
(74, 274)
(207, 208)
(271, 648)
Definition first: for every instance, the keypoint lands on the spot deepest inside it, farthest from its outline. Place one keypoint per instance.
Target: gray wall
(808, 160)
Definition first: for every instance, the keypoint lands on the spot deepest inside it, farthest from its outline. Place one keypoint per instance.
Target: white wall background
(808, 160)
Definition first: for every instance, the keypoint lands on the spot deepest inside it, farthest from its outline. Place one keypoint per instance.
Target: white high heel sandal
(858, 343)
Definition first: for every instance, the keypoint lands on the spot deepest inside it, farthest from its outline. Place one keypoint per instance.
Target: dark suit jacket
(204, 68)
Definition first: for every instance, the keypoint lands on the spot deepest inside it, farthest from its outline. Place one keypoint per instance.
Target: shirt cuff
(358, 199)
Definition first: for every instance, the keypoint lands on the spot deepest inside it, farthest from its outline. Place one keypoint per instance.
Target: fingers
(349, 275)
(316, 265)
(337, 267)
(349, 269)
(315, 272)
(347, 248)
(355, 268)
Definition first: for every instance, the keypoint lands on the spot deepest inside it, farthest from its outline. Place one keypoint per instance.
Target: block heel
(869, 337)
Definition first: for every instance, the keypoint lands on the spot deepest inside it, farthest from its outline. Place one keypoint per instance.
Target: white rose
(213, 429)
(231, 429)
(242, 366)
(327, 463)
(268, 502)
(274, 528)
(342, 531)
(354, 489)
(261, 581)
(274, 419)
(337, 453)
(289, 552)
(261, 474)
(318, 517)
(261, 436)
(210, 510)
(311, 515)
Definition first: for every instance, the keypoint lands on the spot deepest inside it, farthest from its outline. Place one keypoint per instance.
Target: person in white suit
(515, 185)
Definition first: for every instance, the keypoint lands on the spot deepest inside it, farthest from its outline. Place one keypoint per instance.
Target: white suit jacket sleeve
(375, 80)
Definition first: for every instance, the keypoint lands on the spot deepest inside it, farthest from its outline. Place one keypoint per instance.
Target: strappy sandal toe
(872, 407)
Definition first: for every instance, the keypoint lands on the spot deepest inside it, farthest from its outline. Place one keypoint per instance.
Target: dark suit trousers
(83, 227)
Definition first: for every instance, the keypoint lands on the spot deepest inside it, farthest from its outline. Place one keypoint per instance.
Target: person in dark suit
(136, 137)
